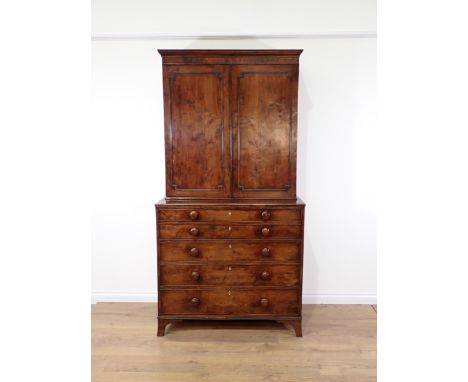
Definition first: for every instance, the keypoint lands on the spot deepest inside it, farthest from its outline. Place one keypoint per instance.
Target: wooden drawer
(229, 301)
(229, 251)
(225, 274)
(225, 214)
(225, 231)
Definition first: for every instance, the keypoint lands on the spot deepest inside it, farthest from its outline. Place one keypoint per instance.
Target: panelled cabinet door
(264, 103)
(196, 108)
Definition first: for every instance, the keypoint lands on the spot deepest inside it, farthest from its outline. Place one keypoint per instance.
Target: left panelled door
(197, 134)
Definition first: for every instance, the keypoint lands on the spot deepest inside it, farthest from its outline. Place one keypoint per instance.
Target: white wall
(184, 17)
(337, 116)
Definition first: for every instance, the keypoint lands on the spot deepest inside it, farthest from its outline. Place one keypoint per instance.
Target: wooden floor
(339, 345)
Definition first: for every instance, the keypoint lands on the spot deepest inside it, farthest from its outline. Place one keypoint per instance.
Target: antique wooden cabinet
(230, 230)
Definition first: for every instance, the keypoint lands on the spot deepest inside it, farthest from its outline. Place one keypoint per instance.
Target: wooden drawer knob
(264, 302)
(193, 215)
(265, 275)
(195, 301)
(194, 231)
(266, 252)
(266, 215)
(195, 276)
(194, 252)
(265, 231)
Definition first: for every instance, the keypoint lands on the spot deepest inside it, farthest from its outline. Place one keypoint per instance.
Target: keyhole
(229, 293)
(230, 246)
(230, 228)
(230, 268)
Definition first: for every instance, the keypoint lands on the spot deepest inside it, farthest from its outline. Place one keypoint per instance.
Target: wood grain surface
(230, 274)
(196, 131)
(338, 345)
(230, 301)
(229, 231)
(226, 214)
(264, 130)
(230, 130)
(229, 251)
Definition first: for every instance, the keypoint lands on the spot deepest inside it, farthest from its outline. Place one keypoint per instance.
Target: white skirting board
(307, 298)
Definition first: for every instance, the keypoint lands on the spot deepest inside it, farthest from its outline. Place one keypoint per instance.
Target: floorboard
(338, 345)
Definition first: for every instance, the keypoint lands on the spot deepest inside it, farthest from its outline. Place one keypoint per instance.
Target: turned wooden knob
(266, 215)
(264, 302)
(266, 252)
(195, 301)
(193, 215)
(265, 275)
(194, 252)
(194, 231)
(265, 231)
(195, 275)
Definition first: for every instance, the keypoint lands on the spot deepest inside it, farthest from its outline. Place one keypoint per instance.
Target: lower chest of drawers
(229, 262)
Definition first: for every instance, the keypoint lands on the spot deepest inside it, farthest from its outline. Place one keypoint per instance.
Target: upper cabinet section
(230, 123)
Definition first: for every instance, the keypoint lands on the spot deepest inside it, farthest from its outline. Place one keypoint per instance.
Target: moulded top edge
(232, 202)
(230, 52)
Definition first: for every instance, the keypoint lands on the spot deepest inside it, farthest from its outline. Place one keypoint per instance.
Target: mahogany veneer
(230, 231)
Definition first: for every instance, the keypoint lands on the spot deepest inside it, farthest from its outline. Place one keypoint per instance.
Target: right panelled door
(264, 130)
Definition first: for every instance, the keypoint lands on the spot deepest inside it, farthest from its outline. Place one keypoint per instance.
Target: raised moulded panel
(264, 99)
(197, 131)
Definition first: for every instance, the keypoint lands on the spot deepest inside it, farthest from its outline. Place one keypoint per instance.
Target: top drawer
(226, 214)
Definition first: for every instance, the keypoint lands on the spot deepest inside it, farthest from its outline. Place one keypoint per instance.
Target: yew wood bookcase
(230, 230)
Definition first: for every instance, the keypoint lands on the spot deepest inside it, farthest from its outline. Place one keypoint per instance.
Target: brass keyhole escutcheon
(229, 293)
(230, 245)
(229, 213)
(230, 268)
(230, 228)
